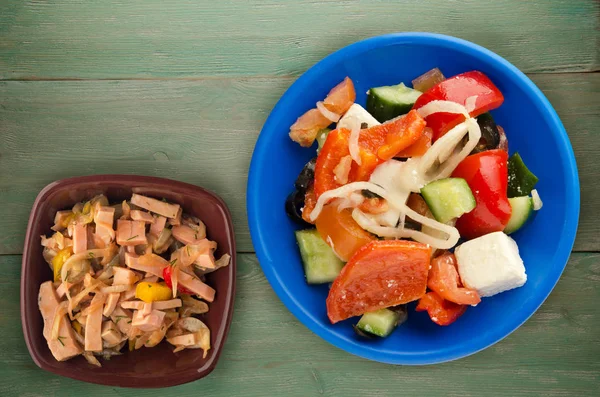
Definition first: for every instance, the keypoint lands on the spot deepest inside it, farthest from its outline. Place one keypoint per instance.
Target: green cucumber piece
(322, 137)
(321, 265)
(520, 180)
(379, 323)
(388, 102)
(522, 208)
(448, 198)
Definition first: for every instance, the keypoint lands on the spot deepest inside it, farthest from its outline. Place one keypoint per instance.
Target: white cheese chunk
(490, 264)
(358, 112)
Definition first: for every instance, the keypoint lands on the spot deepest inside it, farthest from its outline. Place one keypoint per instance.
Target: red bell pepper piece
(441, 311)
(444, 280)
(380, 274)
(167, 277)
(377, 144)
(458, 89)
(487, 176)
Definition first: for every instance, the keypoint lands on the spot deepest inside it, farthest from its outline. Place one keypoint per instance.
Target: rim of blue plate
(260, 154)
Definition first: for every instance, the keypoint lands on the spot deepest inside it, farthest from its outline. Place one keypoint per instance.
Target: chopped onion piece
(343, 192)
(537, 201)
(353, 142)
(470, 103)
(91, 359)
(331, 116)
(442, 107)
(59, 314)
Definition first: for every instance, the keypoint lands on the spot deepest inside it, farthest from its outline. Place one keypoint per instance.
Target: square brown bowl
(146, 367)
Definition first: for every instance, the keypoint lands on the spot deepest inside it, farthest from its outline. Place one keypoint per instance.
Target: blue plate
(533, 129)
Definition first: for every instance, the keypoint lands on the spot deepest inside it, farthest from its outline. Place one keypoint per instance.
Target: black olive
(402, 310)
(490, 136)
(369, 194)
(294, 204)
(306, 177)
(364, 126)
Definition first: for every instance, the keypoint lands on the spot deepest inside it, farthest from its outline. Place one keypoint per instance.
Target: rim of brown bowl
(147, 375)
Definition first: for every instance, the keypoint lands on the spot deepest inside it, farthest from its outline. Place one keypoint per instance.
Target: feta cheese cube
(490, 264)
(358, 112)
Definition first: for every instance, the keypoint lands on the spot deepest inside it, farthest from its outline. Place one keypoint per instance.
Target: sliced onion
(91, 359)
(353, 142)
(442, 107)
(59, 314)
(470, 103)
(537, 200)
(343, 192)
(354, 200)
(174, 280)
(448, 144)
(331, 116)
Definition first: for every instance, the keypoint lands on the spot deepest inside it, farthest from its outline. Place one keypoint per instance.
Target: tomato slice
(341, 97)
(441, 311)
(444, 280)
(487, 176)
(305, 129)
(458, 89)
(341, 231)
(381, 274)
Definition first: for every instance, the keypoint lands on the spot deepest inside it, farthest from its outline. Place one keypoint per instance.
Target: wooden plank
(141, 38)
(186, 130)
(269, 352)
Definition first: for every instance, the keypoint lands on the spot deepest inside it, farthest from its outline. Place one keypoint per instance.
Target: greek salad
(411, 198)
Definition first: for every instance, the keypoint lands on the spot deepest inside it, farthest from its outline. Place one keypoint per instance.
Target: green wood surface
(268, 353)
(180, 89)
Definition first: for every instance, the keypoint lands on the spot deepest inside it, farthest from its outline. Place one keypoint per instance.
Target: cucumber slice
(321, 265)
(520, 180)
(522, 208)
(448, 198)
(388, 102)
(380, 323)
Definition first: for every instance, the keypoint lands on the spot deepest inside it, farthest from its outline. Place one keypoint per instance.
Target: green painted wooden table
(181, 89)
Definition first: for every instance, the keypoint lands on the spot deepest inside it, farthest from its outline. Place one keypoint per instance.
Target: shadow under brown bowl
(146, 367)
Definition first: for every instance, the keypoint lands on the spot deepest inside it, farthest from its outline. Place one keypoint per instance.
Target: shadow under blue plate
(533, 129)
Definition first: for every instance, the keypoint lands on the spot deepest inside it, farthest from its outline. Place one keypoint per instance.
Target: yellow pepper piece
(59, 260)
(151, 292)
(76, 326)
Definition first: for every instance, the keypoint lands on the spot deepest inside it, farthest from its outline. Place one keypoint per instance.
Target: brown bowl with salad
(127, 280)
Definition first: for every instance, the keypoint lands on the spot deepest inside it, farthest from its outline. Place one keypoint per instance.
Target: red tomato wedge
(341, 231)
(305, 129)
(444, 280)
(341, 97)
(381, 274)
(377, 144)
(441, 311)
(487, 176)
(458, 89)
(167, 277)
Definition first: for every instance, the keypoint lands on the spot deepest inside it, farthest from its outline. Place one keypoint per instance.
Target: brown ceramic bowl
(147, 367)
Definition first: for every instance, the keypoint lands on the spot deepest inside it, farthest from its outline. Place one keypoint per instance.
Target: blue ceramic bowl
(533, 129)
